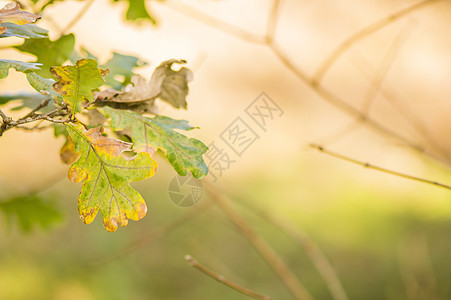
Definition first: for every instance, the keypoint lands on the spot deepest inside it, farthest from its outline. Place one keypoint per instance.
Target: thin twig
(214, 22)
(9, 123)
(313, 251)
(370, 166)
(326, 95)
(368, 30)
(384, 67)
(78, 17)
(274, 261)
(405, 112)
(5, 118)
(272, 21)
(43, 104)
(315, 254)
(222, 280)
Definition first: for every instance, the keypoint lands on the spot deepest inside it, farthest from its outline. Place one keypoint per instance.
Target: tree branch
(222, 280)
(78, 17)
(309, 246)
(274, 261)
(367, 165)
(9, 123)
(314, 83)
(368, 30)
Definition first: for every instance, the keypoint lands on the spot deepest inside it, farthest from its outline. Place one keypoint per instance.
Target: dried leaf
(184, 154)
(106, 177)
(174, 84)
(75, 83)
(11, 13)
(139, 97)
(165, 83)
(95, 118)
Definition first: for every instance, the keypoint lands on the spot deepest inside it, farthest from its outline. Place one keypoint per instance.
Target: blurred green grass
(379, 248)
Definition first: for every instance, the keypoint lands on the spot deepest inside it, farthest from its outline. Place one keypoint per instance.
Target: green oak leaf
(121, 65)
(20, 66)
(148, 134)
(49, 53)
(137, 11)
(45, 87)
(26, 31)
(75, 83)
(106, 176)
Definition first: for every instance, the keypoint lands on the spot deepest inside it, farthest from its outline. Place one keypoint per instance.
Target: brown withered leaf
(95, 118)
(174, 84)
(138, 97)
(165, 83)
(11, 13)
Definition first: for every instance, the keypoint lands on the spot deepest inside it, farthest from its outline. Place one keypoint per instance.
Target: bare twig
(315, 254)
(314, 83)
(214, 22)
(274, 261)
(367, 165)
(272, 21)
(9, 123)
(222, 280)
(313, 251)
(32, 113)
(78, 17)
(412, 118)
(5, 118)
(368, 30)
(384, 67)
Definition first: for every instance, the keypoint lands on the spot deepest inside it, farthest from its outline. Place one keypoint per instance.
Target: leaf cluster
(107, 114)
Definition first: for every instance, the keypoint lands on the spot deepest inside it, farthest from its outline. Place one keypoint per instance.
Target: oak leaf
(165, 83)
(26, 31)
(137, 11)
(106, 176)
(49, 53)
(20, 66)
(147, 134)
(138, 97)
(75, 83)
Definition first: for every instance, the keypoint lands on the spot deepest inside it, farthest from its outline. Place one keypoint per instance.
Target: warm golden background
(386, 237)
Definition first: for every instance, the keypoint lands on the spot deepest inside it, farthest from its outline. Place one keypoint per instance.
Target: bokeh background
(386, 237)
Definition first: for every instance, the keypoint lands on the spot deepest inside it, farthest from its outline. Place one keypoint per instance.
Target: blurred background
(385, 237)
